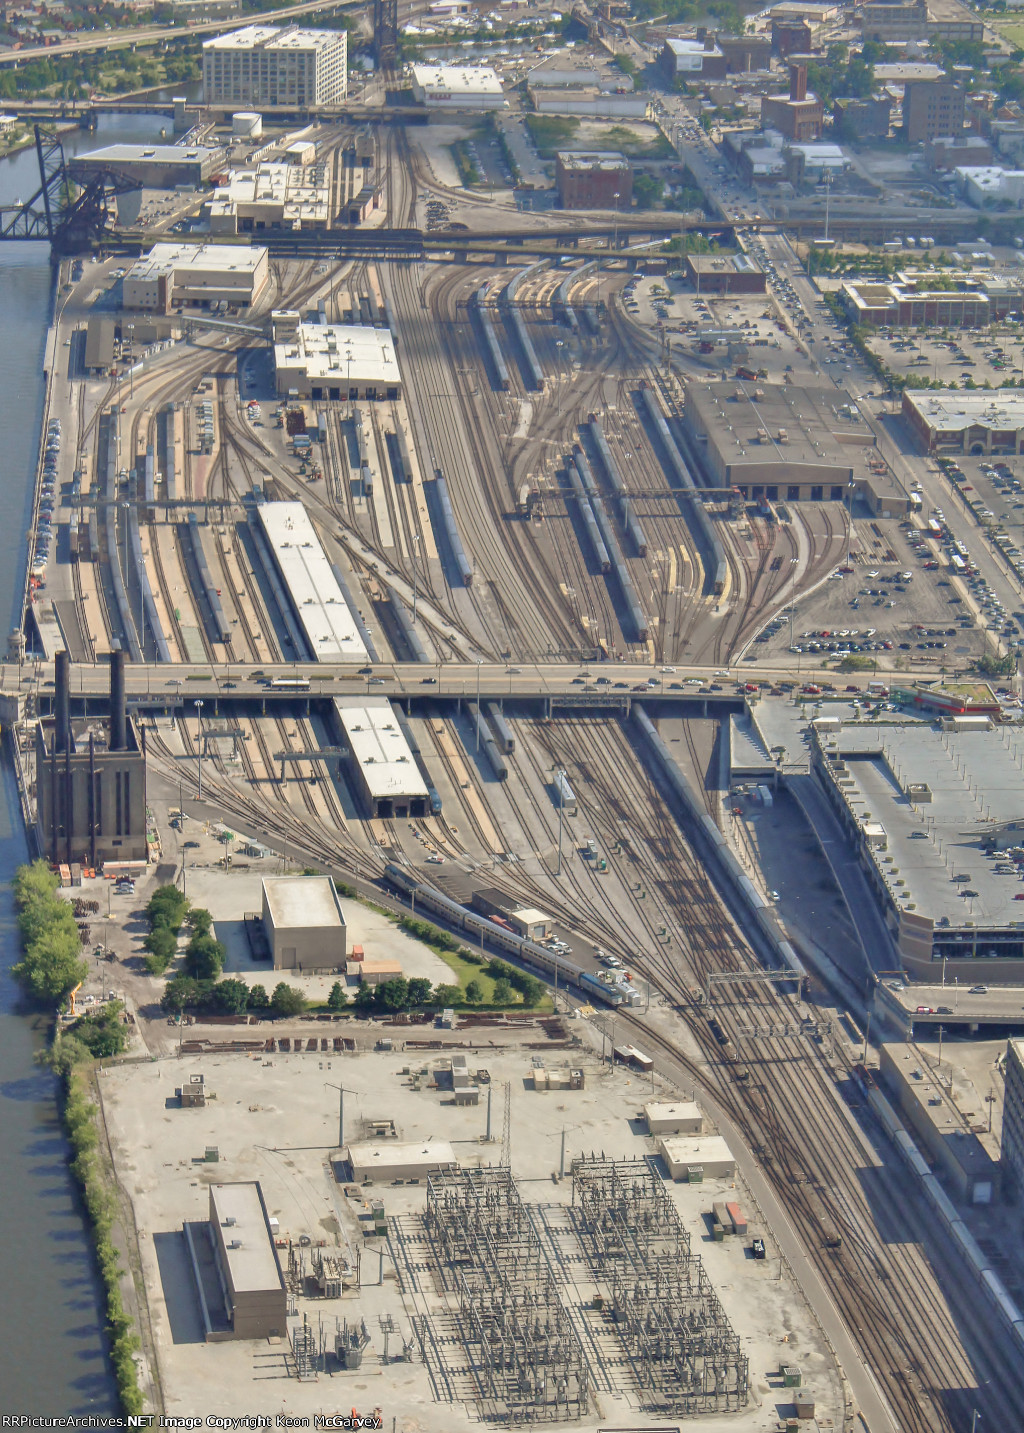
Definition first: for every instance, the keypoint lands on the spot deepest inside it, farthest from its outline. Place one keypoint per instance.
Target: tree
(204, 958)
(230, 996)
(52, 966)
(419, 990)
(179, 994)
(35, 882)
(647, 191)
(502, 992)
(531, 989)
(474, 992)
(103, 1031)
(447, 996)
(167, 906)
(626, 64)
(337, 1000)
(392, 995)
(258, 998)
(286, 1000)
(199, 921)
(365, 998)
(162, 944)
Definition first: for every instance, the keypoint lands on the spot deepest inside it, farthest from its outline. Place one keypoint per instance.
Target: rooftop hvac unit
(235, 1244)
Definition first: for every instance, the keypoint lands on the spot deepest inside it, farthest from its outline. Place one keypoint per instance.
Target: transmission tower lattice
(506, 1129)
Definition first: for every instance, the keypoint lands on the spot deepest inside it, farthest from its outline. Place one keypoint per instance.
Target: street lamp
(479, 664)
(559, 792)
(199, 719)
(559, 344)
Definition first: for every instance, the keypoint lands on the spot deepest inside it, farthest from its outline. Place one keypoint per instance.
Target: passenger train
(552, 967)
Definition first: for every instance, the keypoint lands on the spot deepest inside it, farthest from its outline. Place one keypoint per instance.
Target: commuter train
(554, 968)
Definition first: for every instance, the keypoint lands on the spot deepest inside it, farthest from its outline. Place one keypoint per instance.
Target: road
(113, 39)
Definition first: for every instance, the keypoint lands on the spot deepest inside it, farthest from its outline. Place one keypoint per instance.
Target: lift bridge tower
(71, 217)
(385, 33)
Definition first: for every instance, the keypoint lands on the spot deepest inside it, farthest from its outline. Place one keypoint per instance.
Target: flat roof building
(270, 195)
(932, 108)
(381, 761)
(936, 818)
(798, 115)
(387, 1159)
(255, 1297)
(594, 179)
(684, 1154)
(952, 420)
(336, 361)
(940, 1124)
(304, 923)
(724, 274)
(673, 1117)
(287, 67)
(986, 185)
(692, 59)
(326, 622)
(154, 166)
(178, 274)
(918, 298)
(457, 87)
(788, 443)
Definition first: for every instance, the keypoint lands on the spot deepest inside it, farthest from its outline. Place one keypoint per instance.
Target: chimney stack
(62, 702)
(798, 82)
(118, 705)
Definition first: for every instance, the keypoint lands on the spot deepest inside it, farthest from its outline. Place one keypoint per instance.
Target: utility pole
(559, 790)
(199, 718)
(342, 1092)
(479, 664)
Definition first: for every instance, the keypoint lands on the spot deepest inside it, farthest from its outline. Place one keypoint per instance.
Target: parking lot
(894, 603)
(975, 357)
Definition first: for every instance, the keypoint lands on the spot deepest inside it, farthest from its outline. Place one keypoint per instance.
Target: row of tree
(51, 965)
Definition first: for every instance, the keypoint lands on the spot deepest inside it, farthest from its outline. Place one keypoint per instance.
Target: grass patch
(1011, 30)
(625, 141)
(551, 132)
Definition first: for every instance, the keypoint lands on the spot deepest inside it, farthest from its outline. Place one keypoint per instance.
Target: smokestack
(62, 702)
(118, 705)
(798, 82)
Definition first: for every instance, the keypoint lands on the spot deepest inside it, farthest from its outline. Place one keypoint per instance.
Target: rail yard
(478, 616)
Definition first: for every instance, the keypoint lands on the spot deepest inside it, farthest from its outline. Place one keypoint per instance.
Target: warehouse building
(943, 1129)
(263, 66)
(326, 622)
(335, 360)
(791, 444)
(174, 275)
(304, 923)
(457, 87)
(952, 420)
(383, 767)
(724, 274)
(935, 817)
(696, 1157)
(270, 195)
(90, 779)
(598, 179)
(248, 1269)
(384, 1160)
(154, 166)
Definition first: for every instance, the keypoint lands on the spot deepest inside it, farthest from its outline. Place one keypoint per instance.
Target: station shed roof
(327, 621)
(380, 749)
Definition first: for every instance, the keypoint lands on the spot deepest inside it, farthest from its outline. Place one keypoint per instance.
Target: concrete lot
(275, 1119)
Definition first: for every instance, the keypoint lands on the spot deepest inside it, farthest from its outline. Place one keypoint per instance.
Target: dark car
(757, 1249)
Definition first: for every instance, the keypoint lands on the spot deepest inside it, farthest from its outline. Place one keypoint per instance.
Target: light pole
(341, 1110)
(479, 664)
(199, 719)
(559, 345)
(615, 223)
(559, 791)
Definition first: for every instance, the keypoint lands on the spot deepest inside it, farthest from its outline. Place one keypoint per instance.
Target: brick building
(799, 115)
(595, 179)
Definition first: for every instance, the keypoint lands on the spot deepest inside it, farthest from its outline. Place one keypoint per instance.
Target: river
(52, 1358)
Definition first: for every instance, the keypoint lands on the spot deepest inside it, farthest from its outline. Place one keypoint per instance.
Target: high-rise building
(1012, 1144)
(264, 65)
